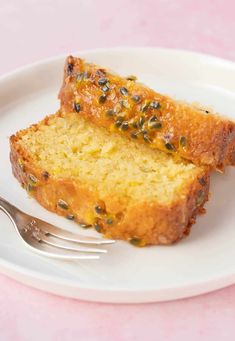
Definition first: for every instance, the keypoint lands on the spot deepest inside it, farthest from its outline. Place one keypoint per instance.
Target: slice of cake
(123, 188)
(131, 109)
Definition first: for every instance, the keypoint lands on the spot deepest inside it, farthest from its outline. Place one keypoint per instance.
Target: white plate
(203, 262)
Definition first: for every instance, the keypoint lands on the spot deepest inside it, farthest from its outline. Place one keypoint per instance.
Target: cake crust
(133, 110)
(145, 223)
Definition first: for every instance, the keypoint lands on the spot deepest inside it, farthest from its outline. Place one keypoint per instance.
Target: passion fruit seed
(146, 138)
(99, 209)
(29, 187)
(154, 105)
(105, 88)
(125, 125)
(153, 123)
(101, 72)
(134, 124)
(131, 78)
(137, 242)
(85, 226)
(70, 217)
(102, 99)
(205, 111)
(202, 181)
(110, 112)
(45, 175)
(136, 98)
(124, 91)
(86, 75)
(153, 119)
(98, 227)
(77, 107)
(144, 107)
(169, 146)
(134, 135)
(109, 221)
(183, 141)
(141, 122)
(33, 179)
(200, 198)
(125, 104)
(118, 123)
(102, 81)
(80, 76)
(83, 75)
(157, 125)
(62, 204)
(69, 69)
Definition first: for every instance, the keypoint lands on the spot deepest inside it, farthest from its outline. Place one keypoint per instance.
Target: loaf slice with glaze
(123, 188)
(131, 109)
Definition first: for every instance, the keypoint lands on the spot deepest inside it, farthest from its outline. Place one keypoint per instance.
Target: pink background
(31, 30)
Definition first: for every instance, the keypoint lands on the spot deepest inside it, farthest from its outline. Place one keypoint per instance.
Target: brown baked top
(132, 109)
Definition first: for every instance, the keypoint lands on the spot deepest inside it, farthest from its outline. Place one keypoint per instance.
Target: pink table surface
(31, 30)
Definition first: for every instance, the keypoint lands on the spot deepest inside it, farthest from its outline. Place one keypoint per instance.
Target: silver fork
(52, 241)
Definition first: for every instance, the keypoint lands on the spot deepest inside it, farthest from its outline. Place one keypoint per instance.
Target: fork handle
(8, 208)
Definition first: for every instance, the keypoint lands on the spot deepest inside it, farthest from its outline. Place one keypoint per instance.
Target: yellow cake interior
(71, 147)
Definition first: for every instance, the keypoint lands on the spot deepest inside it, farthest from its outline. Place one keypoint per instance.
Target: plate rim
(222, 281)
(107, 295)
(57, 57)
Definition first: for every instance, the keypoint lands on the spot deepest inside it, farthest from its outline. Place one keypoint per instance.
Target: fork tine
(50, 251)
(67, 245)
(40, 236)
(71, 236)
